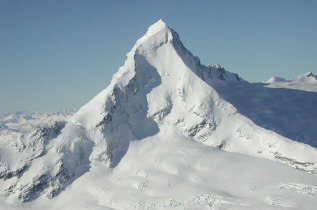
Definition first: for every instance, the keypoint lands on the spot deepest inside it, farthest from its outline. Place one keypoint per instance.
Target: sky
(56, 55)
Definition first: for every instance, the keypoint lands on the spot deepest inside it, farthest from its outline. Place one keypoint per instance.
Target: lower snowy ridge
(173, 172)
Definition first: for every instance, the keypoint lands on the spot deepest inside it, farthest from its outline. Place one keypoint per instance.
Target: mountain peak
(160, 25)
(156, 34)
(276, 79)
(308, 77)
(308, 74)
(162, 96)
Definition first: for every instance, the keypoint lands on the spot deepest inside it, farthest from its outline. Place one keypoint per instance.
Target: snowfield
(171, 133)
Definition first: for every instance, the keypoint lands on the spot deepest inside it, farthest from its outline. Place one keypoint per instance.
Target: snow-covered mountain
(23, 122)
(307, 78)
(161, 135)
(275, 80)
(305, 82)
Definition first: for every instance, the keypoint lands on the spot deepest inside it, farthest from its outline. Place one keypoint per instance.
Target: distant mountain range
(23, 122)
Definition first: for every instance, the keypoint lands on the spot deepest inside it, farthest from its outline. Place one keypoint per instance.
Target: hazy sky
(59, 54)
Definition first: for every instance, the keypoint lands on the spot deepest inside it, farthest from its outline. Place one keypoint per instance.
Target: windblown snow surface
(170, 133)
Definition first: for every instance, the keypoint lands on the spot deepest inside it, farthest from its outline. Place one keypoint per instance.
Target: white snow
(158, 137)
(275, 79)
(23, 122)
(305, 82)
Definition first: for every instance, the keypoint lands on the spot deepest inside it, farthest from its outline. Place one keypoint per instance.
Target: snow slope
(275, 79)
(305, 82)
(162, 120)
(285, 107)
(173, 172)
(307, 78)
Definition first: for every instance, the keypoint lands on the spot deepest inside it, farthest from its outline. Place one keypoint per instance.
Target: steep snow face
(159, 74)
(158, 37)
(162, 89)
